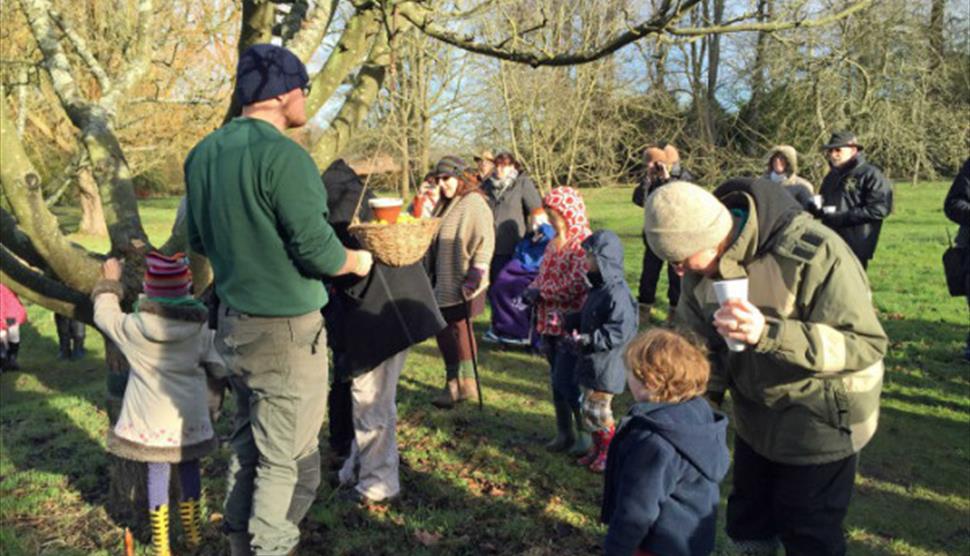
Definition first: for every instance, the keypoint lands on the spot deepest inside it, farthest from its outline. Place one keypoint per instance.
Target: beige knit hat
(681, 219)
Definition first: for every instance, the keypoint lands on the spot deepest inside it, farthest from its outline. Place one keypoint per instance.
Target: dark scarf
(775, 207)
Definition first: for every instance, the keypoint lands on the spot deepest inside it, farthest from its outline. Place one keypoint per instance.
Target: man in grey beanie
(805, 391)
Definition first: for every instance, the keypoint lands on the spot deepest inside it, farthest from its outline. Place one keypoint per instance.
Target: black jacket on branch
(862, 198)
(957, 204)
(372, 318)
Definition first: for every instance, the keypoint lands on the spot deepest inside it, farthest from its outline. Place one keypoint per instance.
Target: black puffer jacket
(957, 204)
(646, 186)
(862, 198)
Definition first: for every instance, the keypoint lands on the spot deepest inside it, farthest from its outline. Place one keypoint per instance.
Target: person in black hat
(856, 197)
(257, 209)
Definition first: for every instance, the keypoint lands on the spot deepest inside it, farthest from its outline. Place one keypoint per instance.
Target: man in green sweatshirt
(805, 386)
(258, 210)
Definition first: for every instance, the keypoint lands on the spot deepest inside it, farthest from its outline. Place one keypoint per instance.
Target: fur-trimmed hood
(788, 153)
(159, 322)
(164, 323)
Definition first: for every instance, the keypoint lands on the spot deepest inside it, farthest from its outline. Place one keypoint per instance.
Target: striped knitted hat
(167, 276)
(451, 166)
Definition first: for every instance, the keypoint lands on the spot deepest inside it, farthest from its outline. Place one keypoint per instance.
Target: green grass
(478, 482)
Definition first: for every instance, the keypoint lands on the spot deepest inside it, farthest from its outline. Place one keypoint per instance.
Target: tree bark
(355, 107)
(94, 121)
(257, 28)
(92, 212)
(22, 188)
(936, 37)
(355, 42)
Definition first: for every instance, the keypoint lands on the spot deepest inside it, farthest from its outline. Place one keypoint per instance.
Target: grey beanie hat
(681, 219)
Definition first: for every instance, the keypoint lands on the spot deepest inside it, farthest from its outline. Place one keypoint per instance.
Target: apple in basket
(386, 209)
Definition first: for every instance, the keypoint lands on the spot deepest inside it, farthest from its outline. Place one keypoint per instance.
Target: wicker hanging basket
(398, 244)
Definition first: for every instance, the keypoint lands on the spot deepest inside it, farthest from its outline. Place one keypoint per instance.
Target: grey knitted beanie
(681, 219)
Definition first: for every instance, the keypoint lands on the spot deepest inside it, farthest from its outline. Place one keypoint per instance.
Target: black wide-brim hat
(842, 139)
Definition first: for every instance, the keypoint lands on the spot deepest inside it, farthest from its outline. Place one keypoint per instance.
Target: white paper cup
(817, 201)
(828, 209)
(732, 289)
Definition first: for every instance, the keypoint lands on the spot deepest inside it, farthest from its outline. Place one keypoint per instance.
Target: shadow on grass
(47, 426)
(464, 492)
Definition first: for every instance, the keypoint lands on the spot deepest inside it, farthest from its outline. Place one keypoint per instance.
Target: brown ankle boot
(468, 389)
(449, 396)
(643, 312)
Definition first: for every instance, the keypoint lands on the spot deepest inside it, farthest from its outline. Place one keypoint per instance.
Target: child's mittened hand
(582, 340)
(577, 341)
(553, 319)
(530, 296)
(111, 269)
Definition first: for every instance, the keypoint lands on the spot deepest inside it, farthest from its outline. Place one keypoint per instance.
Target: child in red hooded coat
(560, 290)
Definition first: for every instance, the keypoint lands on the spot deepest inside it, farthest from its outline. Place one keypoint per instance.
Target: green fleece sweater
(258, 210)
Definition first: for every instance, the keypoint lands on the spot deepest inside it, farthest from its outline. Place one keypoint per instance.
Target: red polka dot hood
(570, 205)
(562, 281)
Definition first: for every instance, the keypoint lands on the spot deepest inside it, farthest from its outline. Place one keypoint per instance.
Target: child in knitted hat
(164, 416)
(660, 493)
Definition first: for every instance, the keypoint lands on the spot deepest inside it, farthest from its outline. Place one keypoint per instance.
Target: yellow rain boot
(159, 521)
(191, 517)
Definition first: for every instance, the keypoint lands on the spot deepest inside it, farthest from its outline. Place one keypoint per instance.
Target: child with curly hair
(669, 454)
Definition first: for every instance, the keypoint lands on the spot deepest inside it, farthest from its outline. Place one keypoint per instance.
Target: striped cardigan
(465, 238)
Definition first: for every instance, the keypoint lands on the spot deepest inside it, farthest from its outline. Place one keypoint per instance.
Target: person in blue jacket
(605, 326)
(661, 490)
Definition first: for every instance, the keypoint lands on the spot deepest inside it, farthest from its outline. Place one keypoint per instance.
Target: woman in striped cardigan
(459, 259)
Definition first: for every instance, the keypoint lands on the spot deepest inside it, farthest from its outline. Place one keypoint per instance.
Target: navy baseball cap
(267, 70)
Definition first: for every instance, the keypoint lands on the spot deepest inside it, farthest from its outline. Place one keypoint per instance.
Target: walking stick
(471, 344)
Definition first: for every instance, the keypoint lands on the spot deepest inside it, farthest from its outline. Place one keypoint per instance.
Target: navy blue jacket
(609, 318)
(662, 474)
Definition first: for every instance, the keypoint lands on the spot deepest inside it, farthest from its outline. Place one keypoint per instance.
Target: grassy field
(479, 482)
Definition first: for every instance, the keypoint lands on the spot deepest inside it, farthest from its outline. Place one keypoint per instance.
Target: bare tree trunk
(510, 114)
(21, 101)
(92, 213)
(368, 84)
(758, 77)
(257, 28)
(713, 66)
(937, 44)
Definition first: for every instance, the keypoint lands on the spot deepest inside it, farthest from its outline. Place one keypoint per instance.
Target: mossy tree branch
(94, 121)
(21, 187)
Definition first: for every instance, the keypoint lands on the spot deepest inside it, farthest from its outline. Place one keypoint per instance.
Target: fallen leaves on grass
(427, 538)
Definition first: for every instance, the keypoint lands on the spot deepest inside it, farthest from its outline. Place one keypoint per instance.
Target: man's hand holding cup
(738, 321)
